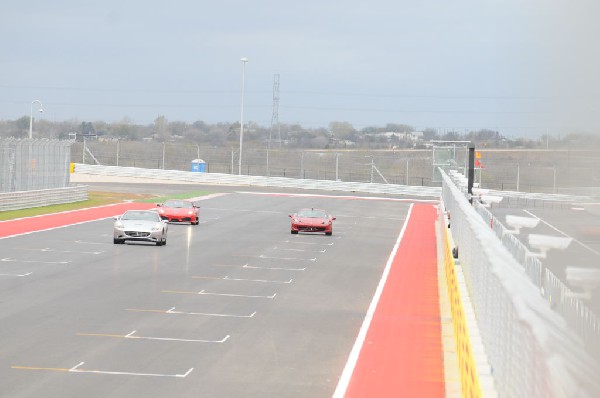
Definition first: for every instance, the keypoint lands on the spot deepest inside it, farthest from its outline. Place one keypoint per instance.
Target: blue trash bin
(198, 166)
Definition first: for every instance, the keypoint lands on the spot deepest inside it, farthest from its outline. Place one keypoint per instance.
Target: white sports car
(140, 225)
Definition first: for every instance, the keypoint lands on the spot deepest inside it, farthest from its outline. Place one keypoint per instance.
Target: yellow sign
(478, 155)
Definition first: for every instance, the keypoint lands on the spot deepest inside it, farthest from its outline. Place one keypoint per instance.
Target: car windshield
(178, 204)
(141, 215)
(312, 213)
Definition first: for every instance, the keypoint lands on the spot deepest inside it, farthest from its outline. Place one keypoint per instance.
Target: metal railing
(43, 197)
(532, 350)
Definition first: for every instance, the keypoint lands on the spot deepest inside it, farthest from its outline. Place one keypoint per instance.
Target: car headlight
(119, 225)
(190, 213)
(295, 220)
(161, 211)
(157, 227)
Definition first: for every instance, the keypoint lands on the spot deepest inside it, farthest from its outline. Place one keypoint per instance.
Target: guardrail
(42, 197)
(262, 181)
(532, 350)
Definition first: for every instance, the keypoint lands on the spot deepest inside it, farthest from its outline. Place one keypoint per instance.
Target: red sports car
(177, 210)
(312, 220)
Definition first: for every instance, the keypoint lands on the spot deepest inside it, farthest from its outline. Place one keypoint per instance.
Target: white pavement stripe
(274, 268)
(227, 278)
(286, 258)
(17, 275)
(131, 336)
(172, 311)
(76, 369)
(12, 260)
(563, 233)
(344, 380)
(203, 292)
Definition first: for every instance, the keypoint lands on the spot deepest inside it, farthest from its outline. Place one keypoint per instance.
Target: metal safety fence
(532, 350)
(31, 164)
(43, 197)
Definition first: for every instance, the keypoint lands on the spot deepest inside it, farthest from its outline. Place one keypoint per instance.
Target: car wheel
(294, 232)
(118, 241)
(329, 233)
(165, 242)
(197, 221)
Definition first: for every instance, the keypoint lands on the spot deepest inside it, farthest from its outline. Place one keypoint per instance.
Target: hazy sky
(523, 67)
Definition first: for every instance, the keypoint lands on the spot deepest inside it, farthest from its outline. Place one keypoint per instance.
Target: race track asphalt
(236, 306)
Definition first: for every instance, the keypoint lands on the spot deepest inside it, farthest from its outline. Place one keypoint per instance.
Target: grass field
(95, 199)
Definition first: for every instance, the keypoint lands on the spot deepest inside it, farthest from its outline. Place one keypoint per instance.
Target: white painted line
(76, 369)
(308, 243)
(236, 295)
(12, 260)
(227, 278)
(203, 292)
(83, 242)
(562, 233)
(76, 366)
(287, 258)
(227, 265)
(131, 336)
(274, 268)
(47, 249)
(344, 381)
(27, 274)
(172, 311)
(301, 250)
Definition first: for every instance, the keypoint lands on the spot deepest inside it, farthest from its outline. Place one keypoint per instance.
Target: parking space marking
(203, 292)
(77, 369)
(91, 243)
(274, 268)
(227, 278)
(47, 249)
(131, 336)
(12, 260)
(17, 275)
(172, 311)
(308, 243)
(286, 258)
(300, 250)
(227, 265)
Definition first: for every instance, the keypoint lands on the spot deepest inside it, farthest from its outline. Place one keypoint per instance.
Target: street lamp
(244, 62)
(31, 116)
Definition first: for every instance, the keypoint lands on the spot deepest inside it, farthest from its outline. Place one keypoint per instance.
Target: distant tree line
(337, 135)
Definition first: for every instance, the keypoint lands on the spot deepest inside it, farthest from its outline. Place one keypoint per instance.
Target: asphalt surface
(236, 306)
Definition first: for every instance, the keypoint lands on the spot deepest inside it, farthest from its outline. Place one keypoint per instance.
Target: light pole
(31, 116)
(244, 62)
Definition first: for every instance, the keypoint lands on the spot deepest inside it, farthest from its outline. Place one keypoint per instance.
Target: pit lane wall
(470, 369)
(499, 315)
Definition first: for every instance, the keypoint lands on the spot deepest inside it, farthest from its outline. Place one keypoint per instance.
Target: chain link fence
(32, 164)
(393, 167)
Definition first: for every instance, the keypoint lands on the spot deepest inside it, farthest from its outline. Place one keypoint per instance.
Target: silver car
(140, 225)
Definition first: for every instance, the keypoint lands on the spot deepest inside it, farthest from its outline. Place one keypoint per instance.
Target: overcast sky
(523, 67)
